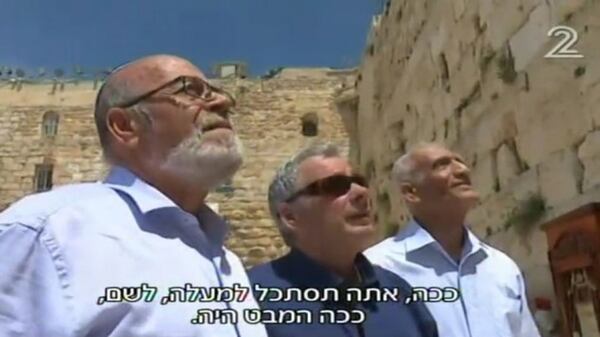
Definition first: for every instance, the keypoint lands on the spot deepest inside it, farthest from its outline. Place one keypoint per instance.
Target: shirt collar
(148, 198)
(316, 275)
(415, 236)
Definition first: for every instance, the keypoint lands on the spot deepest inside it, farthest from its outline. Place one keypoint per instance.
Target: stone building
(473, 75)
(48, 138)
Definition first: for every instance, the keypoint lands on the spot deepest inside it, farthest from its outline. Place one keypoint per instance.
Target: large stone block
(527, 43)
(560, 176)
(589, 154)
(551, 116)
(503, 18)
(591, 104)
(484, 174)
(489, 130)
(525, 185)
(561, 9)
(508, 165)
(459, 9)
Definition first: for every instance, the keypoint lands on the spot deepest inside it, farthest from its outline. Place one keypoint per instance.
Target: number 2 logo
(564, 48)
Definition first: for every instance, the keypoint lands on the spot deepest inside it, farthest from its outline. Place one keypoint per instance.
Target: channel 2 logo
(564, 48)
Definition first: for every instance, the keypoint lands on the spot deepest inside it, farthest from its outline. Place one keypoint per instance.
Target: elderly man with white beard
(112, 258)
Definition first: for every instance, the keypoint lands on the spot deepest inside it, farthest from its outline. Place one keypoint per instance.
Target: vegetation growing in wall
(523, 217)
(371, 49)
(506, 67)
(579, 71)
(486, 58)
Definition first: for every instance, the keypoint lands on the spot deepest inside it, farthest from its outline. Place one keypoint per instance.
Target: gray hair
(283, 184)
(404, 170)
(111, 94)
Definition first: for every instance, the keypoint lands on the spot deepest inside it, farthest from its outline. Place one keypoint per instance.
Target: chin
(366, 229)
(207, 165)
(362, 237)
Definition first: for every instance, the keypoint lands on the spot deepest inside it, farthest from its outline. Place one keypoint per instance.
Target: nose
(461, 169)
(220, 103)
(359, 195)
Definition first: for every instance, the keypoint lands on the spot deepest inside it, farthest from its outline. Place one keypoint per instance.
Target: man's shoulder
(268, 274)
(33, 210)
(389, 248)
(388, 279)
(385, 244)
(500, 260)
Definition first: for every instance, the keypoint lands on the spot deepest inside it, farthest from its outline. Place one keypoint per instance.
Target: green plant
(526, 215)
(486, 58)
(506, 67)
(579, 71)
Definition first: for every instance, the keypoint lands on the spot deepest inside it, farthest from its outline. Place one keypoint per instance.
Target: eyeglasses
(194, 87)
(334, 186)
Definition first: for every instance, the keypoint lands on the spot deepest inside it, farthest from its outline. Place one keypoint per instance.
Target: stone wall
(472, 74)
(268, 120)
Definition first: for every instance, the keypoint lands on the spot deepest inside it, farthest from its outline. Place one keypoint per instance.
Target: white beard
(204, 163)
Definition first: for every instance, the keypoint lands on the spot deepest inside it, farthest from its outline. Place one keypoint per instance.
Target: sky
(100, 34)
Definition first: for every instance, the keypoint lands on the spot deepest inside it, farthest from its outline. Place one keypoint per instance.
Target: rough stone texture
(527, 42)
(560, 176)
(268, 121)
(589, 155)
(484, 175)
(508, 165)
(472, 74)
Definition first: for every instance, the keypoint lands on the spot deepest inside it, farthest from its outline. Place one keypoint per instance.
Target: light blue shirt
(492, 300)
(59, 250)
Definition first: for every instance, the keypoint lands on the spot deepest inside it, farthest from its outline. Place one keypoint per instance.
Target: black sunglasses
(334, 186)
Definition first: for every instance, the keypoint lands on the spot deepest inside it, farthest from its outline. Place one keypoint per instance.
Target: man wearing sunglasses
(436, 249)
(67, 254)
(323, 213)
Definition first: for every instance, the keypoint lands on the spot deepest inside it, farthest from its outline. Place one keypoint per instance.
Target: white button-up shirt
(492, 300)
(61, 249)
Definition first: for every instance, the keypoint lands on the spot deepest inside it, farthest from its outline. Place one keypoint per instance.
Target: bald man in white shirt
(436, 249)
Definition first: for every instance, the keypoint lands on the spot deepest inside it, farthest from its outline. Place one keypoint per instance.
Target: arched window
(310, 125)
(50, 124)
(43, 177)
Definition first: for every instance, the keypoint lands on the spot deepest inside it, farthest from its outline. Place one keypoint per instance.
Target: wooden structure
(574, 256)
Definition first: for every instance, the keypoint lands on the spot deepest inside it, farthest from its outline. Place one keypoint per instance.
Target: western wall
(473, 75)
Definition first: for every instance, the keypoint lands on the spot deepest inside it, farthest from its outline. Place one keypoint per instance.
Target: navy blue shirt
(381, 318)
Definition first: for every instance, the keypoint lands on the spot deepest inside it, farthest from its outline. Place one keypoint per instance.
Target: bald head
(132, 80)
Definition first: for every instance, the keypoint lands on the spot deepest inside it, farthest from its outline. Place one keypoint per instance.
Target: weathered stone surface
(552, 115)
(527, 43)
(592, 106)
(525, 185)
(589, 154)
(560, 175)
(503, 18)
(484, 175)
(508, 165)
(452, 59)
(561, 9)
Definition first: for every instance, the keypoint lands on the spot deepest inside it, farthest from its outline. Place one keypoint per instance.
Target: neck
(188, 197)
(446, 228)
